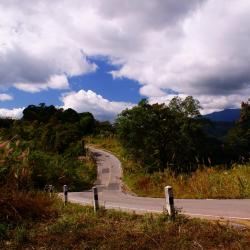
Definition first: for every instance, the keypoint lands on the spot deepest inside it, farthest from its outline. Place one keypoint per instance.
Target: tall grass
(78, 227)
(205, 183)
(17, 206)
(212, 182)
(23, 169)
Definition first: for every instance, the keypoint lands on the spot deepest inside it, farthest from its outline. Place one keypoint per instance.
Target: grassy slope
(78, 227)
(206, 183)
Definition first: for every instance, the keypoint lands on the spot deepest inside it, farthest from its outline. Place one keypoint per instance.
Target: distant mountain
(227, 115)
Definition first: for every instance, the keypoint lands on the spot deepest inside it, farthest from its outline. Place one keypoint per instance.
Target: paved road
(109, 185)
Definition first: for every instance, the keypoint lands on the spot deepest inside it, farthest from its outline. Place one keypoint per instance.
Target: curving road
(111, 195)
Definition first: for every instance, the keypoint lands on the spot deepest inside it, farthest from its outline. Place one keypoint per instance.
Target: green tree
(87, 123)
(239, 136)
(162, 136)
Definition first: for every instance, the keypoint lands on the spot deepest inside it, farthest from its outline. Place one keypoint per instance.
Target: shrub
(59, 170)
(17, 206)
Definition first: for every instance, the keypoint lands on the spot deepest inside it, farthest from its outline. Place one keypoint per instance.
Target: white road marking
(87, 201)
(216, 216)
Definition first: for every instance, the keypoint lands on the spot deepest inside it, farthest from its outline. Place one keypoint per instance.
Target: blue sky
(100, 82)
(104, 56)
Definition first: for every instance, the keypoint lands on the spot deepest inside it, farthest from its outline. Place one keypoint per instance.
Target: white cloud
(89, 101)
(151, 91)
(103, 109)
(209, 103)
(31, 87)
(58, 82)
(36, 44)
(54, 82)
(5, 97)
(196, 47)
(14, 113)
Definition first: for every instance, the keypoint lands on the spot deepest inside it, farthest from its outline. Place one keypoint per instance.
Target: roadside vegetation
(158, 145)
(46, 147)
(175, 137)
(78, 227)
(205, 182)
(173, 145)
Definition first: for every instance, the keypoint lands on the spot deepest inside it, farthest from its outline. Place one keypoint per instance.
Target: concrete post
(65, 191)
(170, 200)
(95, 199)
(50, 190)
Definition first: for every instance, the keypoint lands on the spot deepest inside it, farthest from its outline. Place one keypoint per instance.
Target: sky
(105, 56)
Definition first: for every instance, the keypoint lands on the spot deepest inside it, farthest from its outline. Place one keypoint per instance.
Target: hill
(227, 115)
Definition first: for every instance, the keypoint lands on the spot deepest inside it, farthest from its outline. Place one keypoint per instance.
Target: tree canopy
(162, 135)
(239, 136)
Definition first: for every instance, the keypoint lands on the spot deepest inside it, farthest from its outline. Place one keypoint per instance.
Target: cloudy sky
(103, 56)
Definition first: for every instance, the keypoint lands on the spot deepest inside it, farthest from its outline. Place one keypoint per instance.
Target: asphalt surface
(111, 195)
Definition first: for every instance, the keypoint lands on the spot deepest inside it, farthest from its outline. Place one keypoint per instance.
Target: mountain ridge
(226, 115)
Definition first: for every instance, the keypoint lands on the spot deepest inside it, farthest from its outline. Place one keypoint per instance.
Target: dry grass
(78, 227)
(17, 206)
(206, 183)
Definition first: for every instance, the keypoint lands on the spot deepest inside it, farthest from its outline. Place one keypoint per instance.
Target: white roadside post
(50, 190)
(170, 200)
(65, 191)
(95, 199)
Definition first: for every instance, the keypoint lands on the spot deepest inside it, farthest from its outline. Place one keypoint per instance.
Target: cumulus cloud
(103, 109)
(14, 113)
(209, 103)
(89, 101)
(151, 91)
(5, 97)
(36, 45)
(54, 82)
(196, 47)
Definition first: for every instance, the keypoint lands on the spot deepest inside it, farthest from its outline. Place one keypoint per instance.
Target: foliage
(50, 129)
(175, 137)
(87, 123)
(205, 182)
(44, 147)
(6, 122)
(43, 113)
(104, 129)
(14, 167)
(17, 206)
(59, 170)
(213, 183)
(239, 136)
(24, 170)
(161, 136)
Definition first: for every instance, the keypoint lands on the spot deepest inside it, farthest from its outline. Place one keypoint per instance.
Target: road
(111, 195)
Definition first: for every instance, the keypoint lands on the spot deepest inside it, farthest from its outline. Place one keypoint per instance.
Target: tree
(87, 123)
(189, 107)
(239, 136)
(70, 116)
(41, 113)
(104, 128)
(161, 136)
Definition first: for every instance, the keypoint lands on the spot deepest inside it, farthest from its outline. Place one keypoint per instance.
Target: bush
(18, 206)
(58, 170)
(3, 230)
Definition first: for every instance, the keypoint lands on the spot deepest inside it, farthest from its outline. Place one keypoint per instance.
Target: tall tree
(239, 136)
(161, 136)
